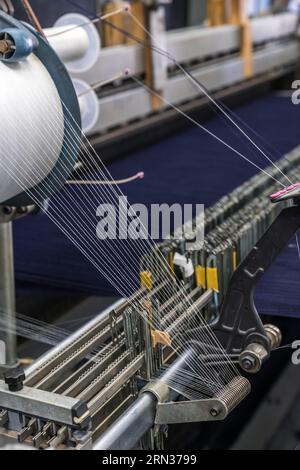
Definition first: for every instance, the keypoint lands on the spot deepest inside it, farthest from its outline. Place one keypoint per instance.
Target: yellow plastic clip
(146, 280)
(200, 276)
(212, 279)
(171, 262)
(25, 361)
(160, 337)
(234, 260)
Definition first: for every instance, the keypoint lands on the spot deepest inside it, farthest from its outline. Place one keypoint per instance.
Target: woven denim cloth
(189, 167)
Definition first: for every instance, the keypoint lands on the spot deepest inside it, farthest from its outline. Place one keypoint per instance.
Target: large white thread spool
(77, 46)
(30, 145)
(88, 103)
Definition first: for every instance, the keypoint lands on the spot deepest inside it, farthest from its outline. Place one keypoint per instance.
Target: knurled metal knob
(14, 378)
(274, 335)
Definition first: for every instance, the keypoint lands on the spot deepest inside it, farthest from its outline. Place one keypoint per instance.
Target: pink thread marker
(289, 192)
(126, 8)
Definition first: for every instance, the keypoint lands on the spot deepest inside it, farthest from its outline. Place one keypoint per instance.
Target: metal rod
(32, 17)
(120, 304)
(7, 292)
(73, 337)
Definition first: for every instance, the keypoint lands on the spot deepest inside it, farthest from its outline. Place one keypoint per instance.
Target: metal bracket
(8, 213)
(194, 411)
(159, 389)
(45, 405)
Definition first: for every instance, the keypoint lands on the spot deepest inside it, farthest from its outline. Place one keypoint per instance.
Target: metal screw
(5, 47)
(7, 210)
(248, 363)
(14, 378)
(214, 412)
(21, 210)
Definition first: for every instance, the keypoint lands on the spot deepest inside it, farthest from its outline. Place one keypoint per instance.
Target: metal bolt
(21, 210)
(214, 412)
(14, 378)
(5, 47)
(248, 363)
(253, 357)
(7, 210)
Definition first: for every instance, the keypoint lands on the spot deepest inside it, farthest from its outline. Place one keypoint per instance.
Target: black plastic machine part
(239, 323)
(14, 378)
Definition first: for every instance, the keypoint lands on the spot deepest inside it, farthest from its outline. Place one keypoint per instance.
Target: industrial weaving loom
(174, 351)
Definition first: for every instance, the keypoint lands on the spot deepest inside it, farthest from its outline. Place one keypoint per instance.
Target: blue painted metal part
(71, 111)
(24, 43)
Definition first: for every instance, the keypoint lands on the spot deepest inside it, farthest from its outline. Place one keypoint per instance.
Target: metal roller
(234, 393)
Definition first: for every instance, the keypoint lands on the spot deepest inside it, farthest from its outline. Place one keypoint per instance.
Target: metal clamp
(194, 411)
(45, 405)
(159, 389)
